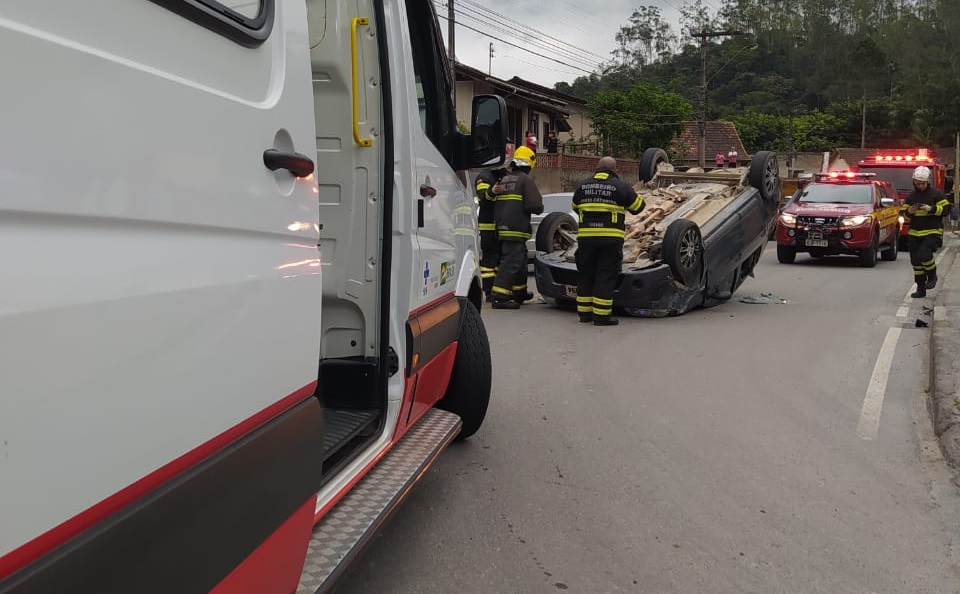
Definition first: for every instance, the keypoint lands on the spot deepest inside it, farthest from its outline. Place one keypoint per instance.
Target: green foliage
(640, 117)
(893, 65)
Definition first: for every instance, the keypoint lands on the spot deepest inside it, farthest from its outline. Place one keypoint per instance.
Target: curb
(944, 369)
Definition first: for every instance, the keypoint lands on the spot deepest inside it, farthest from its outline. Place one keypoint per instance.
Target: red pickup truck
(841, 212)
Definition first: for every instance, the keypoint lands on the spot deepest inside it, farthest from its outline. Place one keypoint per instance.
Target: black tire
(649, 161)
(764, 175)
(786, 254)
(550, 232)
(868, 257)
(468, 393)
(683, 251)
(890, 253)
(903, 244)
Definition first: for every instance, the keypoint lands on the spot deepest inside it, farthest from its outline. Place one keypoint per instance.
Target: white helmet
(921, 174)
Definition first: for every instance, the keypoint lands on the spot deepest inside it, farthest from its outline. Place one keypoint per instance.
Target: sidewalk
(945, 354)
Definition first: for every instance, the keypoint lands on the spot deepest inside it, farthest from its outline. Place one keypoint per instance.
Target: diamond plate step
(343, 532)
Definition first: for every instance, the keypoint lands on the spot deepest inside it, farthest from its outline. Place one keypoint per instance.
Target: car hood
(829, 210)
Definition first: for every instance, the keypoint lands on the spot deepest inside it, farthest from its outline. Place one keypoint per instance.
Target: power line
(522, 26)
(497, 27)
(562, 63)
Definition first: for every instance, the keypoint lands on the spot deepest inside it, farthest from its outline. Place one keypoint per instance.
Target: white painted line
(903, 311)
(873, 402)
(939, 313)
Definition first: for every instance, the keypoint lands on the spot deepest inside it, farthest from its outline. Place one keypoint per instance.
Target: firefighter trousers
(922, 258)
(598, 265)
(489, 259)
(510, 282)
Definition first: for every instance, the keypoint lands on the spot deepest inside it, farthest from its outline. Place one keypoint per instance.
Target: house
(718, 136)
(529, 107)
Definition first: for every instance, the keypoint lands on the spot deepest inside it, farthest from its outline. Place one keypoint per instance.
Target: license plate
(816, 242)
(570, 290)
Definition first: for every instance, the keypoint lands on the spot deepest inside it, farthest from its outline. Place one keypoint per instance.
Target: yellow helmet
(524, 157)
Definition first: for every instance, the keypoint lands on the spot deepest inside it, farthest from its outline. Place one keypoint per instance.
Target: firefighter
(925, 206)
(489, 244)
(517, 197)
(601, 202)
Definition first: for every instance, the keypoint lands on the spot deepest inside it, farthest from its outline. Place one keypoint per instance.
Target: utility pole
(490, 61)
(451, 51)
(863, 120)
(703, 35)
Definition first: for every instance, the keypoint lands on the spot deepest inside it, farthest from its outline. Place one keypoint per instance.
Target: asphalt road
(747, 448)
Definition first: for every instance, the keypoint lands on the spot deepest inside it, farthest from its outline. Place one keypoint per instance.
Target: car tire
(550, 236)
(868, 257)
(890, 253)
(764, 175)
(468, 393)
(786, 254)
(682, 250)
(650, 161)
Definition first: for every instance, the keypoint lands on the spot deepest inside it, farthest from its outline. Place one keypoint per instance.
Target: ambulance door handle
(297, 164)
(427, 191)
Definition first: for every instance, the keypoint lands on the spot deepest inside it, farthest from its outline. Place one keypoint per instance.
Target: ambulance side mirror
(488, 133)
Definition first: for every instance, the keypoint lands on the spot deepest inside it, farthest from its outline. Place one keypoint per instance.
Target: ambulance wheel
(468, 393)
(764, 175)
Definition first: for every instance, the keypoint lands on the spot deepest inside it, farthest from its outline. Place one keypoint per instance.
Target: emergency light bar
(843, 176)
(893, 156)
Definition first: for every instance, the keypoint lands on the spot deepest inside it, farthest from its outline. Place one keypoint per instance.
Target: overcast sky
(572, 38)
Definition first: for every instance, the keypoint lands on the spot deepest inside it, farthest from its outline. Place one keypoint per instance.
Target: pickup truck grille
(815, 220)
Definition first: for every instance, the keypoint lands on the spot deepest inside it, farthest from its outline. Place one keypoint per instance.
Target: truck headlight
(901, 220)
(854, 221)
(787, 219)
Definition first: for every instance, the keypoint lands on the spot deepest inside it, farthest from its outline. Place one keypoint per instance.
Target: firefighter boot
(921, 287)
(605, 321)
(505, 304)
(586, 318)
(931, 280)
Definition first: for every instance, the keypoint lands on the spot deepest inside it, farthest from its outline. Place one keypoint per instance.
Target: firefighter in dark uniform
(489, 244)
(926, 207)
(517, 198)
(601, 202)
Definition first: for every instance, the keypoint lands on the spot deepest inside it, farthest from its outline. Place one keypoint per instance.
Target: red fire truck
(896, 166)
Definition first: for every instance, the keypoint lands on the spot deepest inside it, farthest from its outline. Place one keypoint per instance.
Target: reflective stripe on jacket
(519, 198)
(602, 202)
(927, 223)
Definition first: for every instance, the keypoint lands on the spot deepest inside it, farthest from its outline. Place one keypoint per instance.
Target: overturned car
(699, 237)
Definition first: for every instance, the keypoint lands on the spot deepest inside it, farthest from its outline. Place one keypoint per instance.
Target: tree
(641, 117)
(646, 39)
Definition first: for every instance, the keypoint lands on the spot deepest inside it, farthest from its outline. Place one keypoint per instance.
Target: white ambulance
(240, 307)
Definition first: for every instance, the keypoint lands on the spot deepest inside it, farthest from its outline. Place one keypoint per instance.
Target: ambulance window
(246, 22)
(432, 76)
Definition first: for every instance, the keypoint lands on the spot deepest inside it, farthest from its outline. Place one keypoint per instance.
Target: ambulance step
(345, 529)
(341, 426)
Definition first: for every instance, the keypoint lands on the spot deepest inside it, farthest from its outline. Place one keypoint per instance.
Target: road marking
(873, 402)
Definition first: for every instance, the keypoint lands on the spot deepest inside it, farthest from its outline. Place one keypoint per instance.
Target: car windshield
(837, 194)
(557, 202)
(900, 177)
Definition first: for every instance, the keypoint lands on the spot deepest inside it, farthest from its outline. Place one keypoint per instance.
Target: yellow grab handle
(356, 94)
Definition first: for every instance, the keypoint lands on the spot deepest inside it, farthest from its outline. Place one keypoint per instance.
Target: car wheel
(683, 251)
(868, 257)
(786, 254)
(556, 232)
(890, 254)
(468, 393)
(650, 161)
(764, 175)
